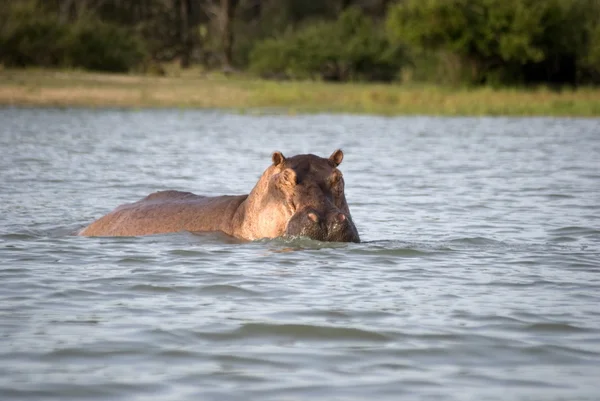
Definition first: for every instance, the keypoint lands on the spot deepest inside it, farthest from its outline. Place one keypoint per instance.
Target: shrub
(350, 48)
(270, 58)
(33, 36)
(97, 45)
(500, 41)
(28, 37)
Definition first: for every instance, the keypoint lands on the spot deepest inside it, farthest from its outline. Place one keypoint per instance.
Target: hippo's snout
(335, 226)
(340, 228)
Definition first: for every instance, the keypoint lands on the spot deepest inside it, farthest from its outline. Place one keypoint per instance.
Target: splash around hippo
(301, 195)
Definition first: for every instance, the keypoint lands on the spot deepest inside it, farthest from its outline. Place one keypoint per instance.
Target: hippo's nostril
(313, 216)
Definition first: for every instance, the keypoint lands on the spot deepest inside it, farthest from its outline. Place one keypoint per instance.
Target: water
(479, 277)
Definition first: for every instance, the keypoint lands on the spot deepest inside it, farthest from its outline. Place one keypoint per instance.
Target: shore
(245, 94)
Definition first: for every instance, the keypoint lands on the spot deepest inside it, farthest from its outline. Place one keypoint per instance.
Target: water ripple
(478, 277)
(297, 332)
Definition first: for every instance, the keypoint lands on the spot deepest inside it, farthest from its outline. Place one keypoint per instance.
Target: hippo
(301, 195)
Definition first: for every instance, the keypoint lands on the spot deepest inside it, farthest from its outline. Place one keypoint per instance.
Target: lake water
(478, 278)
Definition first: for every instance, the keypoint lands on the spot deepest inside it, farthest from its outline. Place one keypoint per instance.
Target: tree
(498, 41)
(352, 48)
(222, 12)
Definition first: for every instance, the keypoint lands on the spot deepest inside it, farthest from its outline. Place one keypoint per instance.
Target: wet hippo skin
(301, 195)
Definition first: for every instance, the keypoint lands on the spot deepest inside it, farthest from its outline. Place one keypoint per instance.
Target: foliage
(35, 37)
(97, 45)
(489, 42)
(499, 41)
(589, 51)
(29, 37)
(348, 49)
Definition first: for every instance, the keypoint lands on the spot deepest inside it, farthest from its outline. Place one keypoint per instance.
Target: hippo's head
(310, 192)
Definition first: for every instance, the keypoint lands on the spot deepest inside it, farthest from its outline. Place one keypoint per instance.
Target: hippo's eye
(337, 184)
(336, 179)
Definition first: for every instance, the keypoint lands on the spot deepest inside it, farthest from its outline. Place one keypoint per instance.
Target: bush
(270, 58)
(500, 41)
(28, 37)
(348, 49)
(32, 36)
(588, 56)
(96, 45)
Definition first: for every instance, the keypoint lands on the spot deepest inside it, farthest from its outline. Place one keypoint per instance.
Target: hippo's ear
(336, 157)
(277, 158)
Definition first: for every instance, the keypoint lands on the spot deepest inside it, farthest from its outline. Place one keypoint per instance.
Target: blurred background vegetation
(458, 42)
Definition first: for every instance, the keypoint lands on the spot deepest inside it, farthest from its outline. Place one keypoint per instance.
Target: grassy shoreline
(244, 94)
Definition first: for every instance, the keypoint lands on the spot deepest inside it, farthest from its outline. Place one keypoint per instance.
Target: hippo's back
(168, 211)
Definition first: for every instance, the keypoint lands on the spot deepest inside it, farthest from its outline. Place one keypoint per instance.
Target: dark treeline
(498, 42)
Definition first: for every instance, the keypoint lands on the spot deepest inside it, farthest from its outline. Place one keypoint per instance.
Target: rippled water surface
(479, 277)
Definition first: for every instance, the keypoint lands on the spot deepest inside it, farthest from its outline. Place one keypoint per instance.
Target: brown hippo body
(169, 211)
(306, 190)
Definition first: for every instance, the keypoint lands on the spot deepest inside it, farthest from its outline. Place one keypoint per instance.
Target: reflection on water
(478, 277)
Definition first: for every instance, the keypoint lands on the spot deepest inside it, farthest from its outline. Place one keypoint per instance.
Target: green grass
(246, 94)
